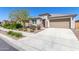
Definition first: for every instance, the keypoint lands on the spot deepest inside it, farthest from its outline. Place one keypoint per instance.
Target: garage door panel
(59, 24)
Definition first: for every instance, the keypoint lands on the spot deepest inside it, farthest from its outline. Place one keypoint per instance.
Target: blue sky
(35, 11)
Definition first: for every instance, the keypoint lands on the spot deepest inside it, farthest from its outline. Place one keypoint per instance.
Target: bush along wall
(13, 26)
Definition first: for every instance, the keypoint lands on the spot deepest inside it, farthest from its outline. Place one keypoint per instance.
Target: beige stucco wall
(38, 22)
(72, 23)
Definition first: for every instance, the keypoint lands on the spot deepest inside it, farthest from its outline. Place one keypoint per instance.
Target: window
(34, 21)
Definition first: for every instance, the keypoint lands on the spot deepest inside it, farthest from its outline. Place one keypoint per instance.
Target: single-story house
(77, 24)
(54, 20)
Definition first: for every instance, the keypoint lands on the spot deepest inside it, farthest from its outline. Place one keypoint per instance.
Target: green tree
(19, 16)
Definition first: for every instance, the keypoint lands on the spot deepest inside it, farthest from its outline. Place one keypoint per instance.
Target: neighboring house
(54, 20)
(77, 24)
(4, 21)
(0, 24)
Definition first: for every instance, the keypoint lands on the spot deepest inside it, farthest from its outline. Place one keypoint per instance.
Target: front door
(43, 22)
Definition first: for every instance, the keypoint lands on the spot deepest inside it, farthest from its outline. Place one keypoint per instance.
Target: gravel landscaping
(14, 35)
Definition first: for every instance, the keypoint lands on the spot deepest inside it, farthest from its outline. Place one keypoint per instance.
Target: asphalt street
(5, 46)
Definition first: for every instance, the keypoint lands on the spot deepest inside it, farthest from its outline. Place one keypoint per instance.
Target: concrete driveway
(52, 39)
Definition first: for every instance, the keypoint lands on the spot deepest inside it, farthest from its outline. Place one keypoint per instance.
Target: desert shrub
(12, 26)
(18, 34)
(38, 27)
(10, 32)
(15, 34)
(33, 27)
(18, 25)
(6, 25)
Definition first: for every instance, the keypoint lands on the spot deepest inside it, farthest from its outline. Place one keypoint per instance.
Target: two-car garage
(60, 23)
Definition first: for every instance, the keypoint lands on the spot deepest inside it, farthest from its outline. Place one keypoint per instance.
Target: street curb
(9, 41)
